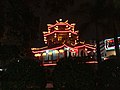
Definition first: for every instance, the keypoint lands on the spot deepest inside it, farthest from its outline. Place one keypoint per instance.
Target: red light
(59, 31)
(111, 41)
(60, 24)
(52, 48)
(74, 50)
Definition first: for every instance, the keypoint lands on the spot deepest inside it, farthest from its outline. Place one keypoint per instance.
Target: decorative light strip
(75, 42)
(71, 25)
(45, 32)
(79, 46)
(63, 46)
(84, 46)
(45, 42)
(49, 33)
(82, 42)
(55, 35)
(111, 48)
(39, 48)
(60, 24)
(60, 31)
(92, 62)
(49, 64)
(52, 48)
(48, 30)
(49, 49)
(90, 47)
(69, 34)
(37, 55)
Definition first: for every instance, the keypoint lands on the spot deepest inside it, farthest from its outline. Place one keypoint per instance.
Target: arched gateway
(62, 41)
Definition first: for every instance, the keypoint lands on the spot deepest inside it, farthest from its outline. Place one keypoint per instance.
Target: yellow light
(56, 51)
(61, 51)
(44, 37)
(82, 42)
(66, 21)
(73, 24)
(35, 48)
(50, 53)
(85, 49)
(45, 32)
(37, 55)
(60, 19)
(56, 28)
(69, 34)
(44, 54)
(49, 24)
(56, 21)
(67, 26)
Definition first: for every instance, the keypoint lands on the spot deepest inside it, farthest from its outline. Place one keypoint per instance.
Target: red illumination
(49, 49)
(59, 24)
(90, 47)
(79, 46)
(85, 46)
(52, 64)
(65, 46)
(74, 50)
(92, 62)
(59, 31)
(111, 41)
(52, 48)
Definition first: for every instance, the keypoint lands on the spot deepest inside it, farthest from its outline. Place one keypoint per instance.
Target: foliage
(109, 75)
(24, 73)
(68, 74)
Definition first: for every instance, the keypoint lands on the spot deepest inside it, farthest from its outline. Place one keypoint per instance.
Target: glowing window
(37, 55)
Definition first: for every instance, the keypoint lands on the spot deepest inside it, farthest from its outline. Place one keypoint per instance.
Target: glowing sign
(61, 51)
(44, 54)
(109, 43)
(37, 55)
(50, 53)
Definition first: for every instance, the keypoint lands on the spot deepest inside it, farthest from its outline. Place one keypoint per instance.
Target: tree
(114, 15)
(69, 74)
(108, 74)
(24, 73)
(102, 16)
(94, 26)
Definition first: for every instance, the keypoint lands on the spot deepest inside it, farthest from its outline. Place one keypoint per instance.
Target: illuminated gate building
(62, 41)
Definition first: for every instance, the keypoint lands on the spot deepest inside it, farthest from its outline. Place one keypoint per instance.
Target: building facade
(62, 40)
(110, 46)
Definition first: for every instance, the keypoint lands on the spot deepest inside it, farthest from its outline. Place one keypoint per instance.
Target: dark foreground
(68, 74)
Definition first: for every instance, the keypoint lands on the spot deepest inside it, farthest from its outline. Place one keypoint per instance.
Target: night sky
(22, 18)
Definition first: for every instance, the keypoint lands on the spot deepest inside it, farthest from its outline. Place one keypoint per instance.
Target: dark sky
(80, 12)
(73, 10)
(32, 16)
(50, 11)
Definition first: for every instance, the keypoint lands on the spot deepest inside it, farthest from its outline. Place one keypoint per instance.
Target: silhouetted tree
(24, 73)
(109, 75)
(69, 74)
(113, 15)
(94, 23)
